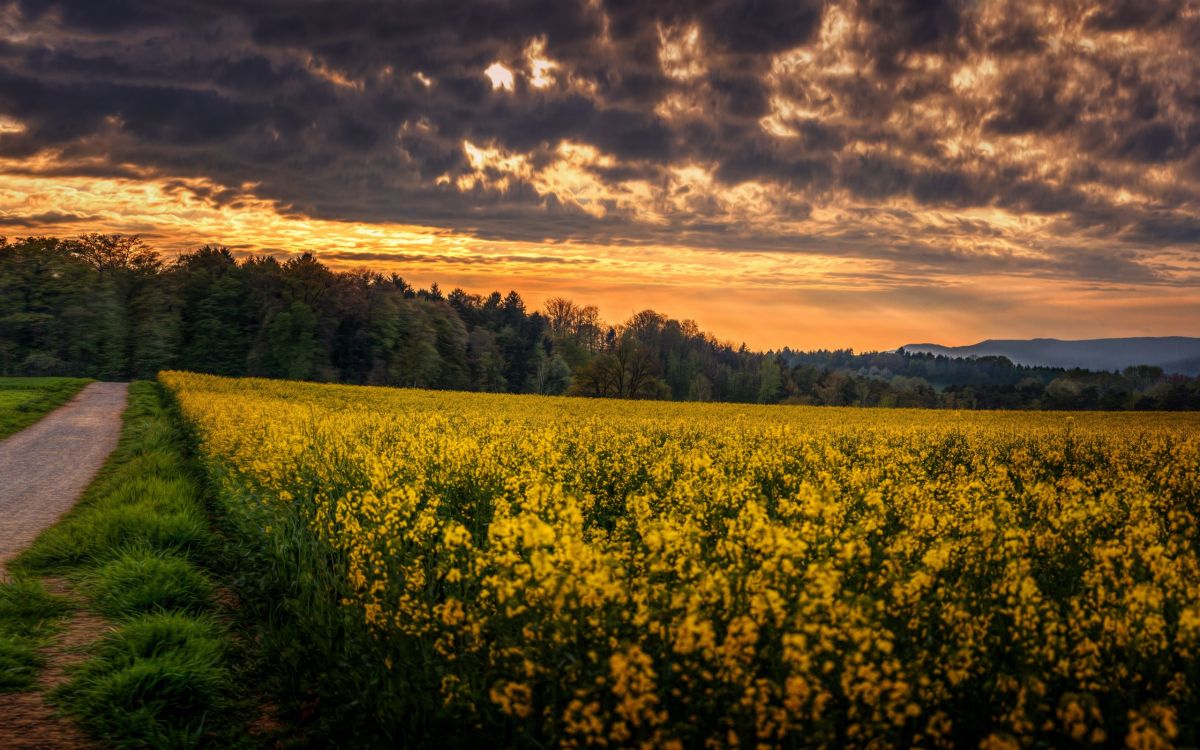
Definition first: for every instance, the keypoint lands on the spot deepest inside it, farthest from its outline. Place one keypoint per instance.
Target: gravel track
(46, 467)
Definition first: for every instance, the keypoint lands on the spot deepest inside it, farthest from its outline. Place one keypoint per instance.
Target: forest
(111, 307)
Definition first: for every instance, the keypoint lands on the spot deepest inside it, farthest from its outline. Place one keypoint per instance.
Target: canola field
(586, 573)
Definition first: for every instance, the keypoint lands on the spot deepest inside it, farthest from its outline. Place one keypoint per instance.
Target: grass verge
(139, 550)
(24, 401)
(29, 615)
(315, 662)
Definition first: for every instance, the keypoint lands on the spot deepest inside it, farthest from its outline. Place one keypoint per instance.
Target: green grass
(24, 401)
(161, 519)
(20, 663)
(143, 581)
(137, 545)
(29, 615)
(155, 682)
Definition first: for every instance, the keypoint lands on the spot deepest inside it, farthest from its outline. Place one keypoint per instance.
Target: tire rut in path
(47, 466)
(27, 721)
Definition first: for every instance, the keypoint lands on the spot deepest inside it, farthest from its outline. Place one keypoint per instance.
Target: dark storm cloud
(1033, 101)
(44, 219)
(359, 110)
(1120, 15)
(116, 15)
(897, 28)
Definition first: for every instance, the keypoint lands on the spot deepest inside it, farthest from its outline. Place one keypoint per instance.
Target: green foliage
(106, 306)
(292, 345)
(486, 361)
(28, 615)
(772, 383)
(290, 586)
(158, 681)
(138, 581)
(901, 379)
(214, 328)
(156, 514)
(73, 307)
(19, 664)
(27, 609)
(150, 635)
(553, 375)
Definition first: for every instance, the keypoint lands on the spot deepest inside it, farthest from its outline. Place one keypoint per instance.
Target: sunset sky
(863, 173)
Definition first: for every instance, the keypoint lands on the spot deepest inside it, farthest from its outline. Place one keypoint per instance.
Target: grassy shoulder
(24, 401)
(139, 551)
(29, 616)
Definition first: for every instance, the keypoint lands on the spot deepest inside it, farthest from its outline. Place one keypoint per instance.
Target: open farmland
(557, 571)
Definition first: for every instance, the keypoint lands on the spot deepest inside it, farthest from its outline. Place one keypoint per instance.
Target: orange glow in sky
(765, 299)
(805, 174)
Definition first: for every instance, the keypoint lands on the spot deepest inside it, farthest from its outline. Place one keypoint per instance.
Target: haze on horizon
(859, 173)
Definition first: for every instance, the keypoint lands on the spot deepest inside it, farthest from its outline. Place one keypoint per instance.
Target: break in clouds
(1051, 139)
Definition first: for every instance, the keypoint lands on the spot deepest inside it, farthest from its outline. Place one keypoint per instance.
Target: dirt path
(43, 471)
(45, 467)
(29, 722)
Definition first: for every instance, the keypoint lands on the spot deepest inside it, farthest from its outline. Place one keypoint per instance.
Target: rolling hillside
(1175, 354)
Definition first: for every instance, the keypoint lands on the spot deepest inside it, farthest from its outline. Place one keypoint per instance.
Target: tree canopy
(110, 307)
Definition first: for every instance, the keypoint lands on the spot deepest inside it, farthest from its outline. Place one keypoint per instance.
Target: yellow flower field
(576, 572)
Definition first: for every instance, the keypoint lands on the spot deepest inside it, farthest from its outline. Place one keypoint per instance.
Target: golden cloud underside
(988, 182)
(768, 299)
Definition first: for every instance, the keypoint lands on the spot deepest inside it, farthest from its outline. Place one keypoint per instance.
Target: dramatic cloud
(888, 145)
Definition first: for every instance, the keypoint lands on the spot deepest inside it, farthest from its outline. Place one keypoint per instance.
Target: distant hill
(1174, 354)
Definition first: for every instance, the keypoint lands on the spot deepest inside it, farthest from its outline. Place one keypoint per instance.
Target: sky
(841, 173)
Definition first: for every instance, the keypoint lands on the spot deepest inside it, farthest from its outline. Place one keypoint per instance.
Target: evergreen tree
(107, 306)
(292, 343)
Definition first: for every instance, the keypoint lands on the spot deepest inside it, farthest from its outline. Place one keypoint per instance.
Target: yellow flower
(622, 574)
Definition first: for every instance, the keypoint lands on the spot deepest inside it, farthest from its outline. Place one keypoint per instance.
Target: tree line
(110, 307)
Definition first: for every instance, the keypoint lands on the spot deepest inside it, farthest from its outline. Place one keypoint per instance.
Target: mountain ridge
(1174, 354)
